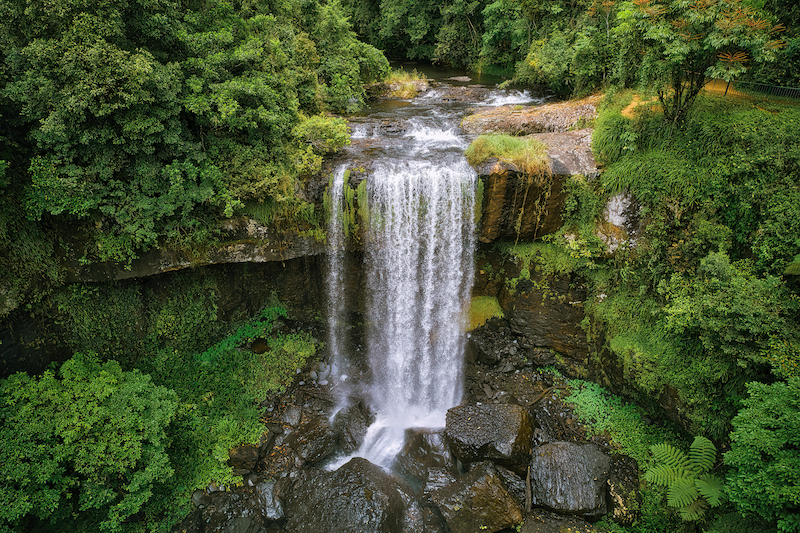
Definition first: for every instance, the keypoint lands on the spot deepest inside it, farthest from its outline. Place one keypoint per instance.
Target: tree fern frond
(711, 488)
(702, 455)
(693, 512)
(663, 475)
(682, 492)
(671, 456)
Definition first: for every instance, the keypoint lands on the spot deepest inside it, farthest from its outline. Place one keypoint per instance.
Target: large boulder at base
(244, 509)
(359, 497)
(500, 433)
(424, 449)
(313, 440)
(478, 501)
(570, 478)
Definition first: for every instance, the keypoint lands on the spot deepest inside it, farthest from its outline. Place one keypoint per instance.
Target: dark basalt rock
(243, 510)
(500, 433)
(351, 426)
(478, 501)
(438, 478)
(313, 440)
(570, 478)
(359, 497)
(424, 449)
(243, 457)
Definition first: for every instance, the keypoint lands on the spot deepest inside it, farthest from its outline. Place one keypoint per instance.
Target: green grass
(404, 84)
(527, 154)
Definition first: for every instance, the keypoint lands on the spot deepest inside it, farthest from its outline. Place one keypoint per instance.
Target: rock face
(425, 449)
(570, 478)
(245, 241)
(478, 501)
(499, 433)
(313, 440)
(547, 312)
(358, 497)
(512, 208)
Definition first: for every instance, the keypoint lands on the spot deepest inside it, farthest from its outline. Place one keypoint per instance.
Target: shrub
(89, 442)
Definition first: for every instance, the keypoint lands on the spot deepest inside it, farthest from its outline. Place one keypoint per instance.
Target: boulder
(438, 478)
(243, 458)
(244, 509)
(478, 501)
(358, 497)
(351, 425)
(424, 449)
(313, 440)
(570, 478)
(500, 433)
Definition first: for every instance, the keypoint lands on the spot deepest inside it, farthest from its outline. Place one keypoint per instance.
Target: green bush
(765, 454)
(86, 445)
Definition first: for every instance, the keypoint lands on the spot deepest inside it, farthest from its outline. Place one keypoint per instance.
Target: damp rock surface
(359, 497)
(478, 501)
(424, 449)
(498, 432)
(570, 478)
(313, 440)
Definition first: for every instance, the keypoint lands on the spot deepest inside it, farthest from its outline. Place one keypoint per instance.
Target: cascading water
(419, 272)
(419, 244)
(335, 284)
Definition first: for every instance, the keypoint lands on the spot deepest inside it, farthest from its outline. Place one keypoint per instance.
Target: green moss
(481, 309)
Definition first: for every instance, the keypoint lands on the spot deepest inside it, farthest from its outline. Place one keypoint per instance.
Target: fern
(702, 455)
(682, 492)
(670, 457)
(711, 488)
(690, 488)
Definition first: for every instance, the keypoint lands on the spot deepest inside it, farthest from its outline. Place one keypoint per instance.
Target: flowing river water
(418, 261)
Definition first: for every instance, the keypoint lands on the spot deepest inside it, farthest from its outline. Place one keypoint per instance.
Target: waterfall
(419, 258)
(335, 286)
(418, 265)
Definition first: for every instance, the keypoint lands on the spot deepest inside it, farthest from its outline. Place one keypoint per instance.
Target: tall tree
(688, 41)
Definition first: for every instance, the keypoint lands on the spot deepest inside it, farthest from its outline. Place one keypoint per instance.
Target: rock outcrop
(359, 497)
(499, 433)
(570, 478)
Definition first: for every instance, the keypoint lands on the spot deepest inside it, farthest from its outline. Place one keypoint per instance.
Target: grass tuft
(527, 154)
(481, 309)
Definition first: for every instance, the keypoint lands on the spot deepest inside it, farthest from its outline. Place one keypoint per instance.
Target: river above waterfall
(418, 247)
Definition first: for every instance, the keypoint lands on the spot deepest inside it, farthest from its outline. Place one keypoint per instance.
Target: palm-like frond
(711, 488)
(682, 492)
(669, 455)
(702, 455)
(695, 511)
(663, 475)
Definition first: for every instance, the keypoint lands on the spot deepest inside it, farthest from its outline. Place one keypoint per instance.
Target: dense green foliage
(691, 487)
(143, 123)
(193, 389)
(89, 442)
(765, 458)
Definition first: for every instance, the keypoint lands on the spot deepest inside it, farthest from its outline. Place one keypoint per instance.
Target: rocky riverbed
(512, 453)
